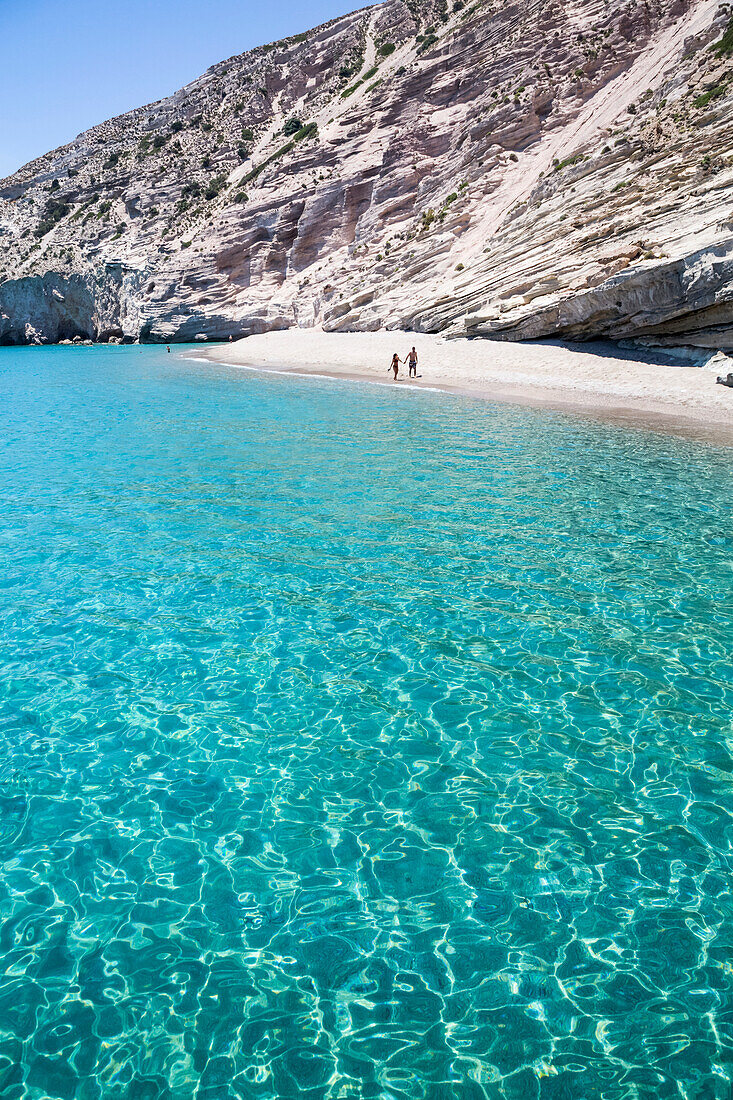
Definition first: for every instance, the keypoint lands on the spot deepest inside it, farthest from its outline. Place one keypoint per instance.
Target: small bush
(217, 184)
(207, 127)
(241, 196)
(247, 134)
(185, 244)
(192, 188)
(724, 48)
(52, 215)
(350, 91)
(159, 141)
(347, 71)
(427, 42)
(55, 185)
(177, 127)
(568, 162)
(309, 131)
(387, 49)
(707, 97)
(370, 73)
(292, 126)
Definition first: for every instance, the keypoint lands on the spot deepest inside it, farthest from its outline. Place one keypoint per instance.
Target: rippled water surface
(356, 743)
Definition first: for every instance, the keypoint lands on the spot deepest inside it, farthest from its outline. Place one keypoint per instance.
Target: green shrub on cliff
(216, 185)
(387, 49)
(558, 165)
(354, 66)
(292, 126)
(724, 48)
(309, 131)
(427, 42)
(713, 93)
(350, 90)
(52, 215)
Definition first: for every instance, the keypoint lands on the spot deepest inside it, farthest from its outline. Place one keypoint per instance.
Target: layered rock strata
(490, 169)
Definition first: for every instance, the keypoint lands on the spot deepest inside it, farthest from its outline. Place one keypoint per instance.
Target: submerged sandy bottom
(596, 381)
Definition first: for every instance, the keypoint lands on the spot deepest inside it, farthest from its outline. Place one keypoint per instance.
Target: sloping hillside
(498, 169)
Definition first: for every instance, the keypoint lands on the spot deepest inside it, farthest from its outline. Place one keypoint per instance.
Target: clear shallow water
(356, 743)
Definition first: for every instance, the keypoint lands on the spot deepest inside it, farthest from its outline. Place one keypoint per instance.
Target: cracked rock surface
(491, 169)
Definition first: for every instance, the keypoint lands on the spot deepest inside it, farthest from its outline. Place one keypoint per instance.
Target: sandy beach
(597, 380)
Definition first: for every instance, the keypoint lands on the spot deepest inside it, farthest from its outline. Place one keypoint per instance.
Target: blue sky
(68, 64)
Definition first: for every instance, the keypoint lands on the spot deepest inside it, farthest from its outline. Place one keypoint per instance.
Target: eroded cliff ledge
(495, 169)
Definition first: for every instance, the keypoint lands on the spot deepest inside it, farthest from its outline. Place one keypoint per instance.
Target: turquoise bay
(356, 743)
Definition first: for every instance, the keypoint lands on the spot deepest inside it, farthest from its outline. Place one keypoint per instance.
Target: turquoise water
(357, 743)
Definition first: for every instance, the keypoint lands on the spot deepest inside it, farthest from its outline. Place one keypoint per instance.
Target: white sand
(594, 382)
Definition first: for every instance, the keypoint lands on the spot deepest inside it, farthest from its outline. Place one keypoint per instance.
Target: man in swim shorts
(412, 357)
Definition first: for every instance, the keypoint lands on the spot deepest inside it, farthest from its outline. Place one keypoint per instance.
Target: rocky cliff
(503, 169)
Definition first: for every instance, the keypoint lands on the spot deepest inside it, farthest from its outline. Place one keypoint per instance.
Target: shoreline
(600, 381)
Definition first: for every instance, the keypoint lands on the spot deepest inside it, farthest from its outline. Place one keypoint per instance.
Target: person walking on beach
(412, 356)
(394, 365)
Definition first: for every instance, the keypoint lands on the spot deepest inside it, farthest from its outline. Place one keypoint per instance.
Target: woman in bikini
(394, 365)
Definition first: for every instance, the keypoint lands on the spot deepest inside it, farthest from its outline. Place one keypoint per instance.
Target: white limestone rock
(505, 171)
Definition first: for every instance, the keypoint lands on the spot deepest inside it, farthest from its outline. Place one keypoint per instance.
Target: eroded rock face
(497, 169)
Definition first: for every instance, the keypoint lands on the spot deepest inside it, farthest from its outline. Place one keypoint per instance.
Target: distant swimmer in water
(168, 348)
(394, 365)
(412, 357)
